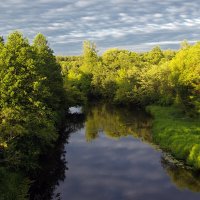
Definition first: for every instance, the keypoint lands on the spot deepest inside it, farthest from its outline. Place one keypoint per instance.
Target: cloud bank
(133, 24)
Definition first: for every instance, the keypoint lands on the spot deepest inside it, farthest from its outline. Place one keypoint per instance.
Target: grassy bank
(177, 133)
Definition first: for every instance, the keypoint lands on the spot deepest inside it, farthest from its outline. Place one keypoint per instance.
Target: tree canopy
(31, 97)
(159, 76)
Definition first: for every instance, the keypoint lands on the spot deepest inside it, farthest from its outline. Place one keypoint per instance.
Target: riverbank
(177, 134)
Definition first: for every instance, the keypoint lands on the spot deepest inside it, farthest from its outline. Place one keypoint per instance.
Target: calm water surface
(110, 155)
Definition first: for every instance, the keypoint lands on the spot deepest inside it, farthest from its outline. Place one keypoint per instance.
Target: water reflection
(54, 165)
(182, 177)
(105, 159)
(114, 164)
(117, 122)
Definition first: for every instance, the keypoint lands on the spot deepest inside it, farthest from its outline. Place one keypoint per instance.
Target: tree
(17, 69)
(27, 113)
(154, 56)
(185, 77)
(184, 44)
(51, 71)
(90, 57)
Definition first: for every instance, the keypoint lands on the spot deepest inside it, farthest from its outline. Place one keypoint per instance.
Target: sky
(136, 25)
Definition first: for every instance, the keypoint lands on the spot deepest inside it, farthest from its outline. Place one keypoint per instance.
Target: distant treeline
(162, 77)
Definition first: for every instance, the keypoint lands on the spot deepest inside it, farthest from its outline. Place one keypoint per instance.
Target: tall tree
(185, 76)
(26, 120)
(51, 70)
(90, 57)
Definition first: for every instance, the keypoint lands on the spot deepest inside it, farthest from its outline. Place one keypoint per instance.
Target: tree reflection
(53, 165)
(39, 183)
(52, 169)
(182, 177)
(112, 121)
(117, 122)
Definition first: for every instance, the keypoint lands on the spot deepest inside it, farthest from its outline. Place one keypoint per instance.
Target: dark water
(109, 154)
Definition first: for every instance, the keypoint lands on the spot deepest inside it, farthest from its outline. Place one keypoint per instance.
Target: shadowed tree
(51, 71)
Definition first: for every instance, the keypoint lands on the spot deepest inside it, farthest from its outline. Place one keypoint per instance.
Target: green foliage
(90, 57)
(185, 77)
(31, 99)
(154, 85)
(176, 133)
(13, 185)
(168, 55)
(78, 72)
(51, 71)
(1, 39)
(116, 75)
(124, 77)
(154, 56)
(1, 42)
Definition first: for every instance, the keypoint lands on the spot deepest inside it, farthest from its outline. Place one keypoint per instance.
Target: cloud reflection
(103, 167)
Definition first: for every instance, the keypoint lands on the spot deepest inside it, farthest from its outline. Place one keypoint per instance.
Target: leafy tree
(184, 44)
(90, 57)
(185, 77)
(154, 56)
(51, 72)
(28, 116)
(168, 55)
(125, 77)
(20, 82)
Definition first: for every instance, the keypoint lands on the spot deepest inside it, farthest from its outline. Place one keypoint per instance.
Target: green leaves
(90, 57)
(31, 98)
(125, 77)
(13, 185)
(185, 76)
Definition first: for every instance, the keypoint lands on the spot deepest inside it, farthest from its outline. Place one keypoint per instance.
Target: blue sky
(136, 25)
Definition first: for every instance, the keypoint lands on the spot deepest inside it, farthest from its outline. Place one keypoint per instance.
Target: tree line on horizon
(164, 77)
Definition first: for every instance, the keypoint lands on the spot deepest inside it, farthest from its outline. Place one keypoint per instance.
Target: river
(109, 153)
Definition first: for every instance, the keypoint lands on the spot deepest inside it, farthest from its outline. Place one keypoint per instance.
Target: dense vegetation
(177, 133)
(165, 78)
(32, 104)
(125, 77)
(13, 185)
(36, 87)
(31, 98)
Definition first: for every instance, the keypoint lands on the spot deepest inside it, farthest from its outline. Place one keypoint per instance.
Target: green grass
(176, 133)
